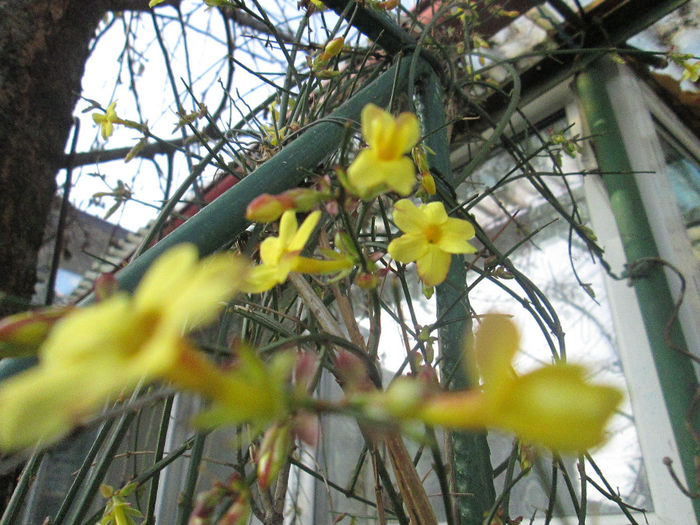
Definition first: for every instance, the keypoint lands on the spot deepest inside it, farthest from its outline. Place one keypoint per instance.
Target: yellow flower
(383, 166)
(333, 48)
(107, 120)
(552, 406)
(430, 238)
(96, 352)
(280, 255)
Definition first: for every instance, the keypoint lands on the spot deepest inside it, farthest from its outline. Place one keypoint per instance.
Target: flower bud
(352, 371)
(21, 334)
(428, 183)
(366, 281)
(273, 453)
(264, 208)
(302, 199)
(304, 370)
(334, 47)
(106, 285)
(238, 513)
(205, 505)
(306, 427)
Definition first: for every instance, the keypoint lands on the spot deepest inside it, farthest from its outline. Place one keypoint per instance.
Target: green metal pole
(675, 370)
(473, 473)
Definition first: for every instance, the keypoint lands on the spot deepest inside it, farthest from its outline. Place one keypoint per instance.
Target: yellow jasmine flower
(430, 238)
(553, 406)
(107, 120)
(96, 352)
(382, 166)
(280, 255)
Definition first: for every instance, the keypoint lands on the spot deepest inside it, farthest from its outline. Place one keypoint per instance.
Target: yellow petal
(377, 126)
(200, 297)
(271, 250)
(288, 227)
(87, 333)
(407, 132)
(318, 266)
(389, 137)
(301, 237)
(261, 278)
(46, 403)
(463, 410)
(554, 406)
(496, 342)
(363, 176)
(433, 265)
(407, 248)
(455, 233)
(399, 174)
(408, 217)
(434, 213)
(168, 273)
(107, 129)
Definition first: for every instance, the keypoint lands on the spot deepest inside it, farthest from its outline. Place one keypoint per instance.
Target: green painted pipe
(473, 471)
(675, 370)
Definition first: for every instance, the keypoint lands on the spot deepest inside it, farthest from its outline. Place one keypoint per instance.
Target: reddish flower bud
(238, 513)
(307, 428)
(106, 285)
(21, 334)
(273, 453)
(304, 369)
(264, 208)
(352, 371)
(366, 281)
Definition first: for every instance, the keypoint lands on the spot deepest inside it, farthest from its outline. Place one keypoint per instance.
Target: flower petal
(433, 266)
(407, 132)
(408, 217)
(377, 126)
(496, 342)
(399, 174)
(454, 236)
(434, 213)
(271, 251)
(98, 330)
(301, 237)
(198, 299)
(407, 248)
(166, 274)
(288, 227)
(261, 278)
(363, 175)
(45, 403)
(319, 266)
(555, 406)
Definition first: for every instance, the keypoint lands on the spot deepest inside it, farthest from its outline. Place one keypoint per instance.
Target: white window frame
(634, 103)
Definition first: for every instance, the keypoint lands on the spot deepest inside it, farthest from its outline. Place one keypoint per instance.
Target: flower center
(432, 233)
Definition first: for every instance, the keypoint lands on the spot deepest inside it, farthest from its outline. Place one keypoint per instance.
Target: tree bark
(43, 49)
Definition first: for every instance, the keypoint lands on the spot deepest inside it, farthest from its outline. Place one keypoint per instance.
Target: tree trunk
(43, 48)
